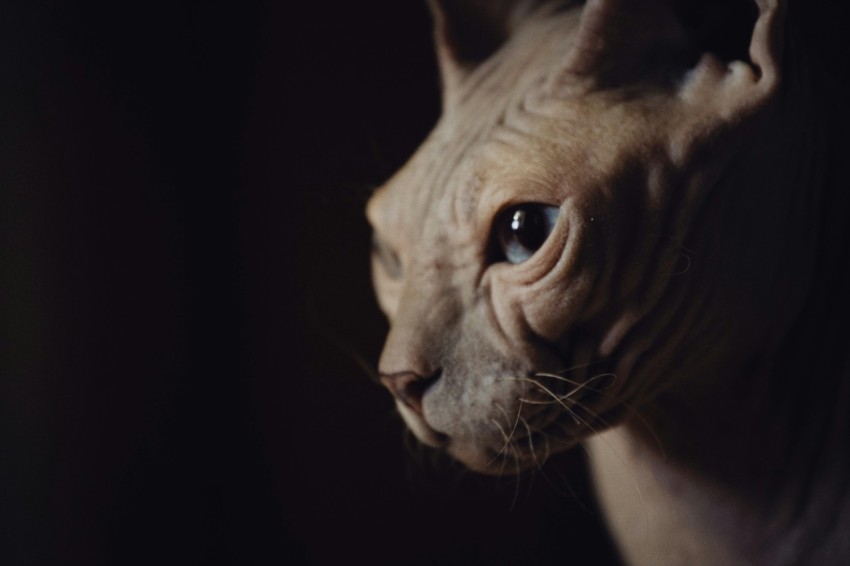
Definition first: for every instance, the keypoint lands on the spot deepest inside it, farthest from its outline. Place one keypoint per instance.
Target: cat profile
(610, 238)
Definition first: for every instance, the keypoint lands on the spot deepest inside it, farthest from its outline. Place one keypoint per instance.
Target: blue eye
(522, 230)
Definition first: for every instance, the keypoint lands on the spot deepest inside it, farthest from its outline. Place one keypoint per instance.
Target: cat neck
(725, 480)
(754, 468)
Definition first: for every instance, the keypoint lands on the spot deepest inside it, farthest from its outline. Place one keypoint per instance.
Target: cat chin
(498, 462)
(478, 457)
(481, 460)
(482, 455)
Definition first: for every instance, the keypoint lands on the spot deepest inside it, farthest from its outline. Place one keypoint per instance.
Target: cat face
(533, 256)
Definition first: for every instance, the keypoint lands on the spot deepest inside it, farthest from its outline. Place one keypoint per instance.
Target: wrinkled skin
(663, 286)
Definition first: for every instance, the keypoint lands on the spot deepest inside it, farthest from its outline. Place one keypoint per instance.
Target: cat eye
(387, 257)
(521, 230)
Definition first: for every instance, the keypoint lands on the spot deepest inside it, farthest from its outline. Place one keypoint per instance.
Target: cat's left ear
(726, 53)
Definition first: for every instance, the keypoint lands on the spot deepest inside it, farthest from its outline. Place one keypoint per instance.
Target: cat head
(576, 237)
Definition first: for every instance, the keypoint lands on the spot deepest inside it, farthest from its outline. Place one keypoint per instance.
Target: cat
(619, 235)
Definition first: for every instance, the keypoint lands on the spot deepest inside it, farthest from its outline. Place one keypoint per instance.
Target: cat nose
(409, 387)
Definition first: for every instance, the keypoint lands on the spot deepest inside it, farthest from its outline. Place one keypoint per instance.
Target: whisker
(504, 435)
(584, 384)
(580, 366)
(578, 386)
(502, 451)
(362, 363)
(531, 443)
(511, 435)
(506, 454)
(631, 409)
(556, 398)
(559, 399)
(337, 341)
(516, 420)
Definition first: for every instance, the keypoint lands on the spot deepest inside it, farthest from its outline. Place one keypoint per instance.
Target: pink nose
(408, 387)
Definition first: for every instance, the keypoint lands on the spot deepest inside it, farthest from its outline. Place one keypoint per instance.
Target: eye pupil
(518, 220)
(529, 228)
(524, 229)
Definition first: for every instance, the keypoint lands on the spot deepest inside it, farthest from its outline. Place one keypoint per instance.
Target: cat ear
(467, 32)
(620, 41)
(735, 44)
(750, 78)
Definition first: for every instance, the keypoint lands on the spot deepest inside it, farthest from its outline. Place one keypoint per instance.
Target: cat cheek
(387, 291)
(552, 311)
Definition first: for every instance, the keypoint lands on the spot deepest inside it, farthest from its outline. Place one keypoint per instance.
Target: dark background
(185, 302)
(184, 296)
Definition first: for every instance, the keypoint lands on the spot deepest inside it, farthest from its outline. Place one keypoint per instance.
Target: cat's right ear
(467, 32)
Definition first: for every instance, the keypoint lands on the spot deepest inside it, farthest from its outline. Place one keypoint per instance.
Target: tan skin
(592, 247)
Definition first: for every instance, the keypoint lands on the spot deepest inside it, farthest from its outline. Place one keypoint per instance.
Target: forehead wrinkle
(518, 171)
(449, 180)
(467, 196)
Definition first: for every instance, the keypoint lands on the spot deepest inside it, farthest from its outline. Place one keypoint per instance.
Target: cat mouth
(530, 445)
(522, 449)
(423, 431)
(552, 413)
(513, 450)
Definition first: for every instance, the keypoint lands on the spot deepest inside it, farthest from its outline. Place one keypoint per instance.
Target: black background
(185, 301)
(185, 296)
